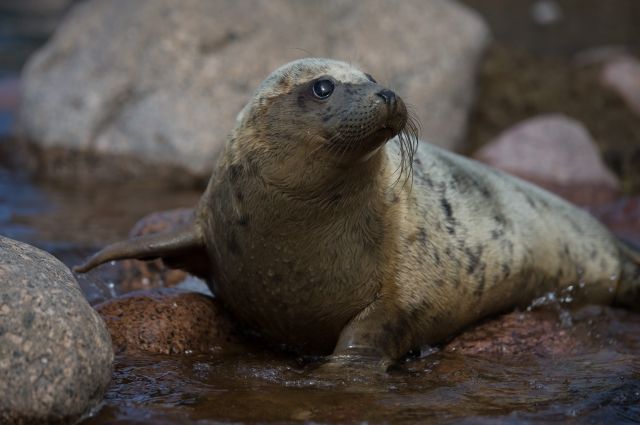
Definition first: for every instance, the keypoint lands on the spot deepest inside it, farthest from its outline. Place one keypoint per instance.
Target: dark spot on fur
(448, 211)
(436, 257)
(239, 195)
(349, 89)
(480, 288)
(473, 258)
(575, 226)
(530, 201)
(232, 244)
(284, 80)
(302, 104)
(235, 171)
(422, 236)
(243, 220)
(506, 270)
(604, 265)
(326, 117)
(336, 197)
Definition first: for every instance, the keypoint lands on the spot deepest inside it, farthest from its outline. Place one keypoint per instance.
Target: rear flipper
(628, 292)
(181, 248)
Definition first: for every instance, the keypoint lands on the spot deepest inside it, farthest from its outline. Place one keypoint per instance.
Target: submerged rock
(557, 153)
(55, 351)
(161, 82)
(168, 321)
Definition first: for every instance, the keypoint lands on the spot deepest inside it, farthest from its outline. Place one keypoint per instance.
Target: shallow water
(600, 385)
(596, 382)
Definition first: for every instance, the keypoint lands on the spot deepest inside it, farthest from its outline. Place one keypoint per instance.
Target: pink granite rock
(168, 321)
(622, 75)
(557, 153)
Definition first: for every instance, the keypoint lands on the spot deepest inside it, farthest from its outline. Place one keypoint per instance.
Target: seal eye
(322, 89)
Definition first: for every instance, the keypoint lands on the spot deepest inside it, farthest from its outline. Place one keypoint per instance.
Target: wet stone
(516, 333)
(168, 321)
(55, 351)
(137, 275)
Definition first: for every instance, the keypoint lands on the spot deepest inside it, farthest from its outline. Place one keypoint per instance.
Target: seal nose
(388, 96)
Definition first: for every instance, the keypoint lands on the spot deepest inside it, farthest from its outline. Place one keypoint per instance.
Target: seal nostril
(387, 95)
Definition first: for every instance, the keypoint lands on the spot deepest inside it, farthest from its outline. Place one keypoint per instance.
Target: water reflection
(600, 383)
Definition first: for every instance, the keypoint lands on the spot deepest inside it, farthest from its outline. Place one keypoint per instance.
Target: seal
(317, 233)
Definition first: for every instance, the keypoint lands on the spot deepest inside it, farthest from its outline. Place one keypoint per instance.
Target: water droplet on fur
(112, 289)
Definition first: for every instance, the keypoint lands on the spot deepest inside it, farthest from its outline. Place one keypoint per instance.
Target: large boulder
(162, 81)
(55, 351)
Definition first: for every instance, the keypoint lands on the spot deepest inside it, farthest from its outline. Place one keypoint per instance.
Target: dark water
(599, 385)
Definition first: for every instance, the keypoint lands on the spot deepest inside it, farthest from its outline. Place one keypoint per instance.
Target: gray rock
(163, 80)
(55, 351)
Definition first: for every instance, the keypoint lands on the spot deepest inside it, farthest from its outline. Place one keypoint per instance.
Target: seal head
(320, 113)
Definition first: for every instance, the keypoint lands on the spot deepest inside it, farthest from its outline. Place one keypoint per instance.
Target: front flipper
(377, 336)
(182, 248)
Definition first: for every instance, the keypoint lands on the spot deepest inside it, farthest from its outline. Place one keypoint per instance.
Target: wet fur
(313, 238)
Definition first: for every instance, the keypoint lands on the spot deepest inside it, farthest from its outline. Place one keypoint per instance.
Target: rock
(168, 321)
(600, 54)
(557, 153)
(55, 352)
(161, 82)
(136, 275)
(622, 75)
(514, 334)
(622, 217)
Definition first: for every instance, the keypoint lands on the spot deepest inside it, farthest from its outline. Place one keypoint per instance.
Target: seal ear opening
(179, 248)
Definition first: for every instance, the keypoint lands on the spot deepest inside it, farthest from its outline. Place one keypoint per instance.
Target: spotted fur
(311, 242)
